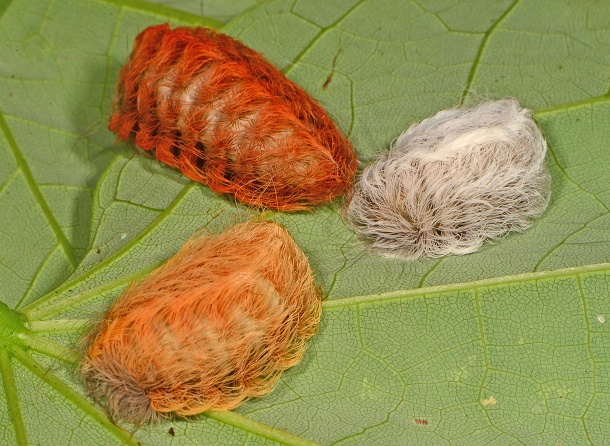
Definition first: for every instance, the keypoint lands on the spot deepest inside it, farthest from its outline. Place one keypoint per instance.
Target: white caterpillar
(457, 179)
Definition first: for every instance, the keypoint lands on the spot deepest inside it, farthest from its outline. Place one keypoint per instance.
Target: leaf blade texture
(505, 346)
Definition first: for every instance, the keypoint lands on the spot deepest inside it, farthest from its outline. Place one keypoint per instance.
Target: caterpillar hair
(217, 110)
(453, 181)
(214, 326)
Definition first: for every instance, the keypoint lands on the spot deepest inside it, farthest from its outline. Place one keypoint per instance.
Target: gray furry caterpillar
(453, 181)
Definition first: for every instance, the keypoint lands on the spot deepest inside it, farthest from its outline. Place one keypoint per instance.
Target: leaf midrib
(472, 285)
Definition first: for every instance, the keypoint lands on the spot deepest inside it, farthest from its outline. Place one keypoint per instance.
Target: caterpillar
(218, 111)
(453, 181)
(215, 325)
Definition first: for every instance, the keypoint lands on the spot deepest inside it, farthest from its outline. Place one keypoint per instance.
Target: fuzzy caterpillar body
(457, 179)
(214, 326)
(217, 110)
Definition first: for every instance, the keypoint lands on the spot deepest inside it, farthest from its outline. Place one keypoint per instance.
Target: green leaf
(506, 346)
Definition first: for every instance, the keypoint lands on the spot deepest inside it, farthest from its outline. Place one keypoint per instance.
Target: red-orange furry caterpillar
(222, 114)
(215, 325)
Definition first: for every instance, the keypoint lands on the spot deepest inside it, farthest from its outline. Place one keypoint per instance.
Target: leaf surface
(505, 346)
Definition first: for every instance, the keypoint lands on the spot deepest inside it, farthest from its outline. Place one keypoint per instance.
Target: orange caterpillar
(215, 325)
(222, 114)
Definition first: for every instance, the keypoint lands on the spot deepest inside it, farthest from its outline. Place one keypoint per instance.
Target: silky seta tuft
(453, 181)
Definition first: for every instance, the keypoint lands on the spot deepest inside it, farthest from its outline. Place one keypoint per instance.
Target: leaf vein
(12, 398)
(31, 182)
(482, 47)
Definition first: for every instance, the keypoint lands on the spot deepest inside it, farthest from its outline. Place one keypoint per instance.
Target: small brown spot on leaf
(332, 72)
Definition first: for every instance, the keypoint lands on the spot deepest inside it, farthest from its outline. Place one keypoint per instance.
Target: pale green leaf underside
(506, 346)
